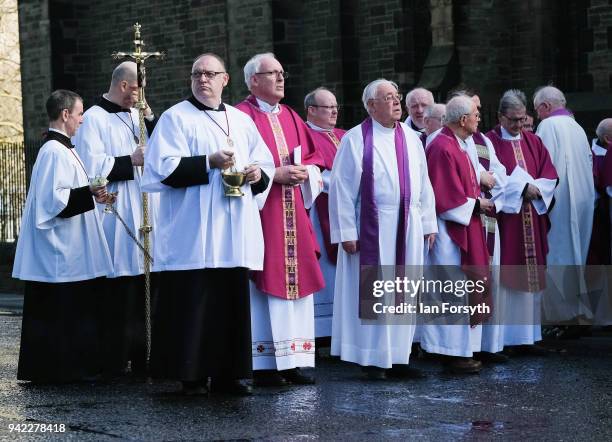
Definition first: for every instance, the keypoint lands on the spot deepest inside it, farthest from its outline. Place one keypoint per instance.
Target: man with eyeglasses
(572, 219)
(322, 109)
(108, 143)
(461, 246)
(417, 100)
(210, 241)
(490, 172)
(492, 178)
(528, 123)
(523, 225)
(282, 307)
(382, 213)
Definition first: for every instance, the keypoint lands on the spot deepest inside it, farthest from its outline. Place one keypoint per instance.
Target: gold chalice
(232, 180)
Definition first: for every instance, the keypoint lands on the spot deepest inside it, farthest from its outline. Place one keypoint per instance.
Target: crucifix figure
(139, 56)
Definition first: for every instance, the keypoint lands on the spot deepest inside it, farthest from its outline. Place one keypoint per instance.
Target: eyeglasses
(283, 74)
(476, 114)
(337, 106)
(518, 120)
(210, 75)
(390, 97)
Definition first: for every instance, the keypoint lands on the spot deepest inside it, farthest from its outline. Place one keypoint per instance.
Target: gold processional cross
(139, 56)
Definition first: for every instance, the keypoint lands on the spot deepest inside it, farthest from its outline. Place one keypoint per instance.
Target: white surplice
(379, 345)
(102, 137)
(571, 220)
(198, 226)
(53, 249)
(324, 298)
(493, 331)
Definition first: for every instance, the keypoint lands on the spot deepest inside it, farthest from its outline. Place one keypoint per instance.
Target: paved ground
(11, 304)
(565, 396)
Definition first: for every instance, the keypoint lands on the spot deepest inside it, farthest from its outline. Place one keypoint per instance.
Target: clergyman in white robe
(571, 220)
(207, 242)
(381, 345)
(106, 141)
(62, 255)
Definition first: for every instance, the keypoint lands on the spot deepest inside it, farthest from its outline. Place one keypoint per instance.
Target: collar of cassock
(110, 107)
(193, 100)
(598, 148)
(317, 128)
(60, 137)
(415, 127)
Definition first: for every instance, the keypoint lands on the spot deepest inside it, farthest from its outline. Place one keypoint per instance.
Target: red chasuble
(605, 178)
(523, 236)
(291, 266)
(453, 179)
(599, 248)
(327, 144)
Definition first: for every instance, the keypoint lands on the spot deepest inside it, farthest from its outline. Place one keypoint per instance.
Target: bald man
(108, 144)
(417, 101)
(321, 109)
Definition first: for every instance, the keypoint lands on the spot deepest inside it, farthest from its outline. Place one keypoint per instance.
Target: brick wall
(341, 44)
(600, 59)
(500, 46)
(249, 32)
(35, 51)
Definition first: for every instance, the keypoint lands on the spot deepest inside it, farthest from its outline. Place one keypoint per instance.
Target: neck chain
(79, 161)
(131, 129)
(230, 142)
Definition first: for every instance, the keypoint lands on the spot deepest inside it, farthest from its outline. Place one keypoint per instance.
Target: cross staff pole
(140, 56)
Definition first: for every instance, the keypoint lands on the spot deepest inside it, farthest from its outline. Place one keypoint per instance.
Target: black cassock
(202, 326)
(202, 323)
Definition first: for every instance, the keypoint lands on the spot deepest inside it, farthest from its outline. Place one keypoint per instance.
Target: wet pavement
(564, 396)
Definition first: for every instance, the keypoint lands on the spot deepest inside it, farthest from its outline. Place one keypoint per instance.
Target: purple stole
(562, 112)
(368, 224)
